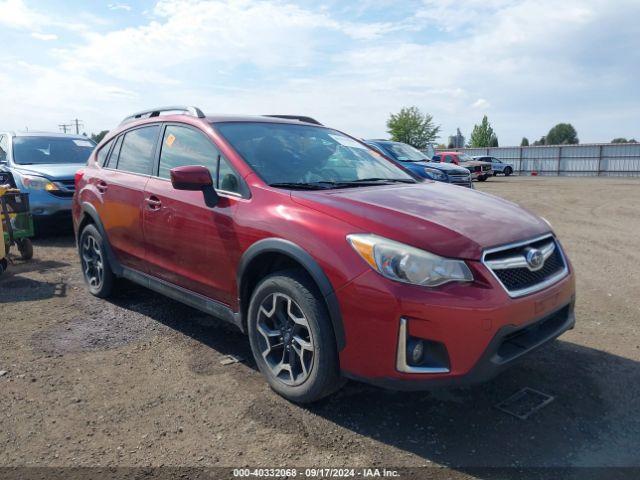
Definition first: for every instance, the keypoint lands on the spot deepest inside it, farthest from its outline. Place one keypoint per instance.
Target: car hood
(51, 171)
(441, 218)
(474, 163)
(445, 167)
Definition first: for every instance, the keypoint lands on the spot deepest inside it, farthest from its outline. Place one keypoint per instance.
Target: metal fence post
(599, 160)
(559, 160)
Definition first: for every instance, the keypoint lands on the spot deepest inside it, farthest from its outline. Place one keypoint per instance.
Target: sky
(527, 64)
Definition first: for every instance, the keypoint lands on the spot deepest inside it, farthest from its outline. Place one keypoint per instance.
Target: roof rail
(300, 118)
(155, 112)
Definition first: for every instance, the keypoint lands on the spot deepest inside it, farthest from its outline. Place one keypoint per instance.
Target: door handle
(153, 203)
(101, 186)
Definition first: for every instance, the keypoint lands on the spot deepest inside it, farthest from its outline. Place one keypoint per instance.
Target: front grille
(460, 179)
(67, 184)
(510, 266)
(61, 193)
(520, 341)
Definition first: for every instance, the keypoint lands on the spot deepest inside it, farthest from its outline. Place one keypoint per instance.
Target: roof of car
(48, 134)
(449, 153)
(220, 118)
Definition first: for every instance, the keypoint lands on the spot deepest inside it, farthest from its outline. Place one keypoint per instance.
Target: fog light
(415, 351)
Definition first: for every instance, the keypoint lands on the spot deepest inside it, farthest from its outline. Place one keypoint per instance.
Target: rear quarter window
(103, 153)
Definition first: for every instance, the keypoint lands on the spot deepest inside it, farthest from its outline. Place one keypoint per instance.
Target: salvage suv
(335, 261)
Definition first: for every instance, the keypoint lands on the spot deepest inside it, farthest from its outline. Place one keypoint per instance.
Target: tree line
(410, 125)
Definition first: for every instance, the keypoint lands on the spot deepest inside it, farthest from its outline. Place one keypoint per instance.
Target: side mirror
(194, 178)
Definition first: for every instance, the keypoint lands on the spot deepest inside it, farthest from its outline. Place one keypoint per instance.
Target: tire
(96, 270)
(508, 171)
(312, 359)
(25, 247)
(4, 264)
(482, 178)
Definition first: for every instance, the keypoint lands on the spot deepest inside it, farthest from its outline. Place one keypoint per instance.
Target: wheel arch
(272, 254)
(90, 216)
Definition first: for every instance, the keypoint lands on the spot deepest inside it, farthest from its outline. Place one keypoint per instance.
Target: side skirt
(193, 299)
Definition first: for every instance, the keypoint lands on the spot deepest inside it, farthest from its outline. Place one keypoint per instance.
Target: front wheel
(508, 171)
(482, 178)
(95, 264)
(292, 338)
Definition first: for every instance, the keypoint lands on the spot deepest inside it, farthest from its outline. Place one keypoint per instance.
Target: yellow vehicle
(17, 221)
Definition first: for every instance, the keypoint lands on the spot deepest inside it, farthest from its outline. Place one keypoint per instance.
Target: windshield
(51, 150)
(463, 157)
(405, 153)
(283, 153)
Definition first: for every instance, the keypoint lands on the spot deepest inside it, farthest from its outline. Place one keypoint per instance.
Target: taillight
(78, 176)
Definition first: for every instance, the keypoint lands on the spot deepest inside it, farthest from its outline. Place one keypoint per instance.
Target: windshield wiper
(375, 180)
(304, 185)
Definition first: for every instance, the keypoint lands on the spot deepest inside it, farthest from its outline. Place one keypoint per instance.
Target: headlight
(33, 182)
(403, 263)
(435, 173)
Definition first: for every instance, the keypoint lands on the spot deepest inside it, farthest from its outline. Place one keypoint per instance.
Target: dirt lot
(138, 380)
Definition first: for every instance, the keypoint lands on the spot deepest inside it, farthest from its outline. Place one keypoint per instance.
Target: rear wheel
(508, 171)
(292, 339)
(482, 178)
(4, 264)
(95, 264)
(25, 247)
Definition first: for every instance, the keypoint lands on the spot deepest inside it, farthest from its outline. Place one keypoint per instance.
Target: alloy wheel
(285, 340)
(92, 262)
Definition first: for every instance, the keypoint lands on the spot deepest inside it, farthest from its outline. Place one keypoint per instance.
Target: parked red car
(336, 262)
(479, 170)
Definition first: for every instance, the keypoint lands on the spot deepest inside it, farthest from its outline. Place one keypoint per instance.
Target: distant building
(456, 141)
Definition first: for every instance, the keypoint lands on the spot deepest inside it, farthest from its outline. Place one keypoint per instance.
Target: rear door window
(138, 147)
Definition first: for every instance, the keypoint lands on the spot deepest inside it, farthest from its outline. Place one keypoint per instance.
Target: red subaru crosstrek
(336, 262)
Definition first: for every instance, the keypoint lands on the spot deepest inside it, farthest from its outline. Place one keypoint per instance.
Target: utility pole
(78, 124)
(65, 126)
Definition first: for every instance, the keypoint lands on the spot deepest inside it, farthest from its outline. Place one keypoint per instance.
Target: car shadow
(212, 332)
(592, 420)
(15, 288)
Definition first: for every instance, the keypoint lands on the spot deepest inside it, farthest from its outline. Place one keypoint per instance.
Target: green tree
(483, 135)
(411, 126)
(99, 136)
(562, 134)
(623, 140)
(542, 141)
(524, 142)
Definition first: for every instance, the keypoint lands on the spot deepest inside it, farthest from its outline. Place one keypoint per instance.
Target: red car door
(188, 243)
(121, 185)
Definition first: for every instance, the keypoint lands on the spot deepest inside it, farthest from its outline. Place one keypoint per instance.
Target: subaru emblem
(534, 258)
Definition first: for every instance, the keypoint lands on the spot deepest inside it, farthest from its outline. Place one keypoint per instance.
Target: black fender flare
(90, 211)
(297, 253)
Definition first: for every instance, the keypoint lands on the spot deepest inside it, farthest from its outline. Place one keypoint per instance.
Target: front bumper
(44, 204)
(477, 323)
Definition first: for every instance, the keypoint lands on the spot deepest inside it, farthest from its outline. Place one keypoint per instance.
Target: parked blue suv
(44, 166)
(420, 163)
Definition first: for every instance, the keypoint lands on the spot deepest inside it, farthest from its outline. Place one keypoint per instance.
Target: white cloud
(47, 37)
(480, 104)
(119, 6)
(15, 14)
(533, 62)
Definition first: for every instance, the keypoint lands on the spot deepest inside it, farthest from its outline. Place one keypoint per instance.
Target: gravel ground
(138, 380)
